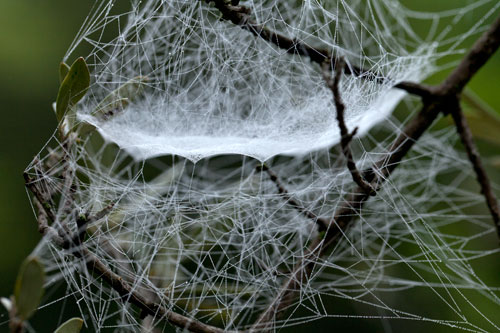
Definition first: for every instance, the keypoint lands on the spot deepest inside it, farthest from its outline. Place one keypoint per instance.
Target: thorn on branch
(346, 136)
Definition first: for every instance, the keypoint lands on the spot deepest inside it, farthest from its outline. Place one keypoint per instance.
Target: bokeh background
(34, 35)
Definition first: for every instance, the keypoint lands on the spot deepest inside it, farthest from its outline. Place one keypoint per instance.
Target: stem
(346, 137)
(465, 134)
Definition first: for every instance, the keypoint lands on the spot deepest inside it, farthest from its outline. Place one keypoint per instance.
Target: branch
(39, 196)
(344, 217)
(444, 99)
(346, 137)
(133, 297)
(83, 221)
(240, 16)
(96, 266)
(465, 134)
(43, 225)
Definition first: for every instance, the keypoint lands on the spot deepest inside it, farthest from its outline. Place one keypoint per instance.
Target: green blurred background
(34, 36)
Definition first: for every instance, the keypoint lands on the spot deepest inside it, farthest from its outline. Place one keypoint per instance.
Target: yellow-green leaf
(63, 71)
(484, 122)
(118, 99)
(73, 88)
(29, 287)
(484, 128)
(74, 325)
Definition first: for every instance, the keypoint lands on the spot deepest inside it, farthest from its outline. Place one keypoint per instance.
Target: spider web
(197, 228)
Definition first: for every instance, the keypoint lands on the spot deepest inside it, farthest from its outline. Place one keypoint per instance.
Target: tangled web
(197, 228)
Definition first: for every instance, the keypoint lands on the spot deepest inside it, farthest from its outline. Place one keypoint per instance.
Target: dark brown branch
(345, 136)
(322, 223)
(66, 240)
(240, 16)
(465, 134)
(414, 88)
(444, 98)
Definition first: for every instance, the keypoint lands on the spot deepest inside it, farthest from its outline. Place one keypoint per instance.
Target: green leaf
(73, 88)
(118, 99)
(74, 325)
(63, 71)
(29, 287)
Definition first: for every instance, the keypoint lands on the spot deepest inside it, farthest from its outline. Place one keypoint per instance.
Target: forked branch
(443, 98)
(95, 266)
(345, 136)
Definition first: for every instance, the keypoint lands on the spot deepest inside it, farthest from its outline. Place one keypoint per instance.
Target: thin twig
(321, 222)
(345, 136)
(240, 16)
(465, 134)
(43, 224)
(47, 206)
